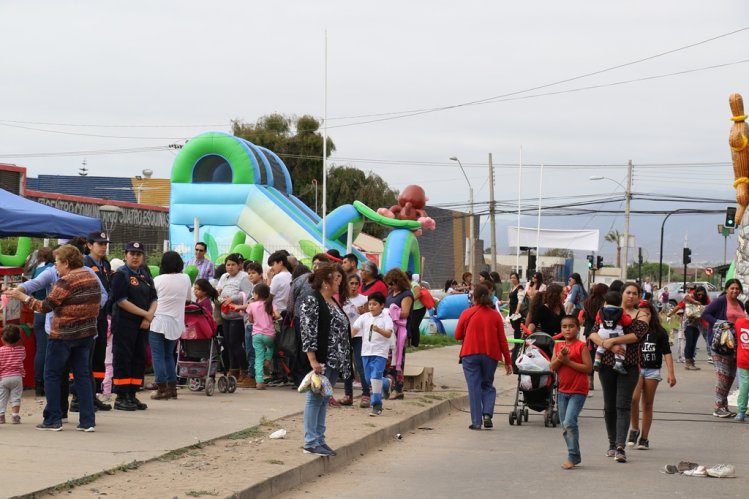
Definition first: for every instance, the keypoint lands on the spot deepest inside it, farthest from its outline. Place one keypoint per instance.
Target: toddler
(106, 385)
(12, 355)
(742, 361)
(261, 314)
(377, 328)
(611, 321)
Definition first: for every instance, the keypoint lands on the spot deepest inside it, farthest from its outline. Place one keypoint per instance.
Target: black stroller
(537, 389)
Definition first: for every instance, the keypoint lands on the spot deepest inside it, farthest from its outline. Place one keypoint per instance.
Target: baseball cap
(97, 237)
(135, 246)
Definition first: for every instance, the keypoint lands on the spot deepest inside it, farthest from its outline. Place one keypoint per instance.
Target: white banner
(553, 238)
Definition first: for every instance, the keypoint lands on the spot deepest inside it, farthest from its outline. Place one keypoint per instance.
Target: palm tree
(615, 237)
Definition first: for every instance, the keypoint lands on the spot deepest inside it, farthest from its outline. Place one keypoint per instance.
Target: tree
(300, 145)
(559, 252)
(615, 237)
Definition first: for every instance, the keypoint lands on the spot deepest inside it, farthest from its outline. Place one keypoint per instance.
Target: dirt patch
(227, 465)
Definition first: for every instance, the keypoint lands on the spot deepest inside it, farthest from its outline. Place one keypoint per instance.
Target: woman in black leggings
(618, 388)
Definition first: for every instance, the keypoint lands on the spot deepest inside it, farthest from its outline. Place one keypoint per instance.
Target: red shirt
(378, 285)
(482, 331)
(742, 343)
(11, 361)
(572, 380)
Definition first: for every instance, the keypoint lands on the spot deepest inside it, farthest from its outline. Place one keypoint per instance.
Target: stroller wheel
(231, 384)
(512, 418)
(525, 414)
(555, 419)
(547, 419)
(223, 384)
(210, 386)
(519, 416)
(194, 384)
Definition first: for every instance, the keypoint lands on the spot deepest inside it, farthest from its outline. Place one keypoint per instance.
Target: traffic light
(730, 217)
(599, 262)
(687, 256)
(590, 262)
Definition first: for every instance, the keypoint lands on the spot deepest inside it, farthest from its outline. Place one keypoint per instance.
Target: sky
(107, 81)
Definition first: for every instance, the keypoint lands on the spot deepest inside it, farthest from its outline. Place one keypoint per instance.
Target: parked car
(676, 291)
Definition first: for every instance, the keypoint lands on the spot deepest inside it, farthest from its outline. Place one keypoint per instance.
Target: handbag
(286, 339)
(693, 310)
(426, 298)
(724, 338)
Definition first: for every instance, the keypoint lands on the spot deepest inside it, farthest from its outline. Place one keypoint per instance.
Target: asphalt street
(445, 459)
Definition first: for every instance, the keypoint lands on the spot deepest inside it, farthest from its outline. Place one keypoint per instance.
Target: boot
(123, 403)
(235, 373)
(246, 382)
(160, 393)
(137, 403)
(242, 375)
(171, 389)
(689, 365)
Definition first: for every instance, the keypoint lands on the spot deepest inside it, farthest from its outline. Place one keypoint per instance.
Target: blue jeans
(374, 368)
(60, 352)
(162, 351)
(249, 349)
(315, 409)
(479, 372)
(348, 385)
(41, 347)
(570, 405)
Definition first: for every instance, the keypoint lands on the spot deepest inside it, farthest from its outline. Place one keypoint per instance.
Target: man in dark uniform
(96, 259)
(134, 304)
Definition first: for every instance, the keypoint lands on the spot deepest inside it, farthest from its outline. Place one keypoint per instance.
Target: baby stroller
(537, 384)
(199, 354)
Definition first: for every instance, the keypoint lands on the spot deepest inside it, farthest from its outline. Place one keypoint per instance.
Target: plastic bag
(526, 382)
(306, 383)
(317, 383)
(533, 360)
(724, 338)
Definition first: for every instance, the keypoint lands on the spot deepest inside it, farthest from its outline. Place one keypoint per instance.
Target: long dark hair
(481, 296)
(732, 281)
(553, 297)
(701, 289)
(655, 321)
(536, 278)
(262, 291)
(205, 286)
(595, 300)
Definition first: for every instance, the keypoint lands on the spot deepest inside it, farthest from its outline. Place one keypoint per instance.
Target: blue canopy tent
(22, 217)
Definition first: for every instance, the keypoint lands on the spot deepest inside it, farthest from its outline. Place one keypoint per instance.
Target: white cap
(416, 278)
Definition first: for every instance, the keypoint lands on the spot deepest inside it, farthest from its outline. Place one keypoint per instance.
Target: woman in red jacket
(484, 344)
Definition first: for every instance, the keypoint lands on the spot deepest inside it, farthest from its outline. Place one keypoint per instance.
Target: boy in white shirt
(377, 328)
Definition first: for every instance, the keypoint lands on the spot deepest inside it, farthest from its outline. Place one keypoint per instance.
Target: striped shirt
(75, 301)
(11, 361)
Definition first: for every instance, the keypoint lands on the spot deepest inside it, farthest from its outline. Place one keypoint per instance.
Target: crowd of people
(350, 323)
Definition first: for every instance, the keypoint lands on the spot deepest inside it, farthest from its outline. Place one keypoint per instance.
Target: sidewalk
(45, 459)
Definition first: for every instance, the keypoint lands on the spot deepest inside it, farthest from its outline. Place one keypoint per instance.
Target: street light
(627, 198)
(110, 215)
(725, 232)
(471, 243)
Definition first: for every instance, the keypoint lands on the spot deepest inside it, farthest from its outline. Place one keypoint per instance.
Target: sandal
(365, 402)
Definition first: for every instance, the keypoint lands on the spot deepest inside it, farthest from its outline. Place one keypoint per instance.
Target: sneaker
(643, 444)
(87, 429)
(686, 465)
(376, 411)
(365, 402)
(327, 448)
(318, 450)
(710, 361)
(722, 471)
(620, 456)
(699, 471)
(618, 367)
(611, 452)
(16, 419)
(474, 427)
(633, 436)
(741, 416)
(721, 412)
(488, 421)
(49, 427)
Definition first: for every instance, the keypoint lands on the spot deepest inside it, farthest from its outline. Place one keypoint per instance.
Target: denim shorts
(651, 374)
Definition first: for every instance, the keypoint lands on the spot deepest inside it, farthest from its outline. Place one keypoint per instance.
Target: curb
(272, 486)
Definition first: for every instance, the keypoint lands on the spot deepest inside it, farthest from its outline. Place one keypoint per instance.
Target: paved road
(451, 461)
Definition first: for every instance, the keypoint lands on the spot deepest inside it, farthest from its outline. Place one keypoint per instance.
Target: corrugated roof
(115, 188)
(149, 191)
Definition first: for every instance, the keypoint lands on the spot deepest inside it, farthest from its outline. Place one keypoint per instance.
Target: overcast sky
(200, 64)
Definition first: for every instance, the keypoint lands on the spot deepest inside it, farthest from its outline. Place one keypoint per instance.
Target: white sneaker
(699, 471)
(722, 471)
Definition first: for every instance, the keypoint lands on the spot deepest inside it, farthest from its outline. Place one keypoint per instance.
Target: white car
(676, 291)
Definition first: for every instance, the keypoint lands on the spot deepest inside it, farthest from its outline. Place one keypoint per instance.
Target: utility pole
(492, 228)
(627, 199)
